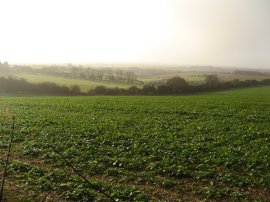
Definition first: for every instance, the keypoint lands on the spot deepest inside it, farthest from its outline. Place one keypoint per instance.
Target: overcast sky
(185, 32)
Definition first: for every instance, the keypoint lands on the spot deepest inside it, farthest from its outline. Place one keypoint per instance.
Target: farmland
(199, 77)
(85, 85)
(212, 147)
(88, 78)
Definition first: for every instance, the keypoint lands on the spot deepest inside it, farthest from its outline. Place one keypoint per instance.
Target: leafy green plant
(152, 147)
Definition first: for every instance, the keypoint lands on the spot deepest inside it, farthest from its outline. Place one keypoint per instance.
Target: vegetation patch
(209, 147)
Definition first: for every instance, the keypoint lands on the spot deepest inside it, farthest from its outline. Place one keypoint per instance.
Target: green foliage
(177, 83)
(125, 144)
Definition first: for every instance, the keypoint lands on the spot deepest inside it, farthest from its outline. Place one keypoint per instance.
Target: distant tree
(163, 90)
(148, 90)
(119, 75)
(253, 73)
(12, 85)
(99, 75)
(99, 90)
(212, 80)
(177, 84)
(265, 81)
(108, 74)
(131, 77)
(133, 90)
(75, 89)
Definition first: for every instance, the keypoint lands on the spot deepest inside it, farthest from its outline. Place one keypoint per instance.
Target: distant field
(85, 85)
(197, 78)
(229, 77)
(213, 147)
(190, 77)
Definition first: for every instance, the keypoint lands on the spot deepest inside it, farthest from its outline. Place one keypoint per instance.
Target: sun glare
(193, 32)
(76, 31)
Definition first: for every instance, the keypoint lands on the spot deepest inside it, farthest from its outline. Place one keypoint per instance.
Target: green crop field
(213, 147)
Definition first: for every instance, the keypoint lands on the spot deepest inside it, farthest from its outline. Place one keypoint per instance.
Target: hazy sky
(185, 32)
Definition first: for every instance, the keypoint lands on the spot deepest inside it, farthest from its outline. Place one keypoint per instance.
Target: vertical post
(7, 158)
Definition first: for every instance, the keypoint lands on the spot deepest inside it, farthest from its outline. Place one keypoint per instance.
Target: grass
(202, 147)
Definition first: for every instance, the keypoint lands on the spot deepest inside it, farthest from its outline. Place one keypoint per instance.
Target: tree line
(179, 86)
(173, 86)
(251, 73)
(13, 85)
